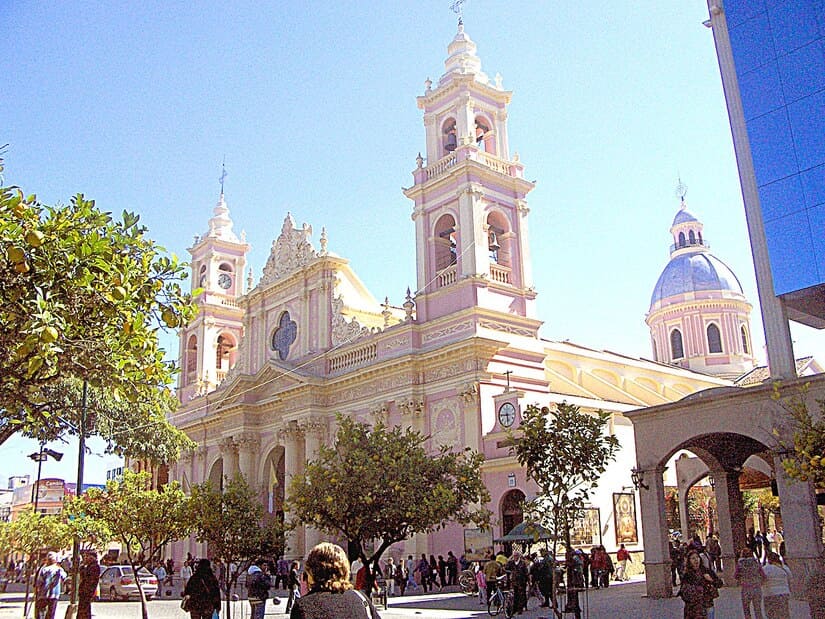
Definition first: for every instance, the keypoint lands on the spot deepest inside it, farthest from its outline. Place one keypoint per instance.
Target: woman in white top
(776, 591)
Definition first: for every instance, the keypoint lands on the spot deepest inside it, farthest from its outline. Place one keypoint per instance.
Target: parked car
(117, 582)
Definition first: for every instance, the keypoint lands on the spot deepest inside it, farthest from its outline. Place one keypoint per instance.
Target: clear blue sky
(313, 105)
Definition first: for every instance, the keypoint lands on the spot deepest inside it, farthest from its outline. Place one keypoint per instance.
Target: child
(481, 581)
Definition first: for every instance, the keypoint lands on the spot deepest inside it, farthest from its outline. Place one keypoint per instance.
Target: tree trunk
(144, 610)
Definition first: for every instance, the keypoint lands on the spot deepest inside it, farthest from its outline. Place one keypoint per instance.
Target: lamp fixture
(711, 482)
(637, 476)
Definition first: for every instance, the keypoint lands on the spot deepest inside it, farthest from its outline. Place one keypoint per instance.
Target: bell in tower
(451, 143)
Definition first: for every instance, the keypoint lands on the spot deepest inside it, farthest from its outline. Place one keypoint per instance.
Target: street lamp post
(40, 457)
(71, 611)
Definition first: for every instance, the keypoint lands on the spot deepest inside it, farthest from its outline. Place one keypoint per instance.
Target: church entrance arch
(512, 513)
(274, 477)
(215, 476)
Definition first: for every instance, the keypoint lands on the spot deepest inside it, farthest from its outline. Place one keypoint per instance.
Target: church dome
(694, 272)
(683, 216)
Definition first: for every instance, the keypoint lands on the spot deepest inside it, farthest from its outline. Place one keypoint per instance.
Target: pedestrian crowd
(760, 572)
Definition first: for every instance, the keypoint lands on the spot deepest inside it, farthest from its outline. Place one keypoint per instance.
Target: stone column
(200, 462)
(501, 134)
(471, 415)
(315, 432)
(465, 119)
(433, 139)
(293, 439)
(249, 446)
(199, 471)
(797, 502)
(473, 261)
(655, 533)
(731, 513)
(229, 453)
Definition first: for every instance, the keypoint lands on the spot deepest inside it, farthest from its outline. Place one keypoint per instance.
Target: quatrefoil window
(284, 336)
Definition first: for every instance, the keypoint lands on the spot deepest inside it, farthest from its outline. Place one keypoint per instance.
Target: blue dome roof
(682, 216)
(693, 272)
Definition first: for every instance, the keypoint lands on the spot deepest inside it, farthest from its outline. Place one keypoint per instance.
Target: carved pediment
(290, 251)
(343, 331)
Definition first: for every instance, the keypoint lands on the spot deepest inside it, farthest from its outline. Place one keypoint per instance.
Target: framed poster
(586, 529)
(624, 518)
(477, 543)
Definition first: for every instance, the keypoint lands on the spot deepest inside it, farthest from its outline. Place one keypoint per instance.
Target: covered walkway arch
(724, 427)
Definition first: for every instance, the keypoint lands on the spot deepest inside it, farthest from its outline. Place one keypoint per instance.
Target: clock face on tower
(506, 414)
(225, 281)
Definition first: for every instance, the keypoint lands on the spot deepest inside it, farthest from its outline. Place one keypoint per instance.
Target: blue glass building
(772, 60)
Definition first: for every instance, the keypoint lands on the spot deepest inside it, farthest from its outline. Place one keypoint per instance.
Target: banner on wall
(624, 515)
(477, 544)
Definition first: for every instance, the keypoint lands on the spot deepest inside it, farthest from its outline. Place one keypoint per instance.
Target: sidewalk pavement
(619, 600)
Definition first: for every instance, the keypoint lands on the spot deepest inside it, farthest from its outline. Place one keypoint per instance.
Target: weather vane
(223, 174)
(457, 7)
(681, 190)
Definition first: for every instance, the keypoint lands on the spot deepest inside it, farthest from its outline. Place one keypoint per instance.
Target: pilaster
(474, 259)
(229, 453)
(731, 512)
(248, 447)
(803, 540)
(292, 437)
(654, 533)
(315, 433)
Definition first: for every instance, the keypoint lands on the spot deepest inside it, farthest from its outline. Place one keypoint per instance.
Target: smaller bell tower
(209, 344)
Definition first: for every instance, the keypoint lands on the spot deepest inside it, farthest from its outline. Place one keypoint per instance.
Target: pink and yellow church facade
(268, 364)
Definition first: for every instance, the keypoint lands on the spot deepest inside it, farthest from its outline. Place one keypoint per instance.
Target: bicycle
(502, 599)
(467, 582)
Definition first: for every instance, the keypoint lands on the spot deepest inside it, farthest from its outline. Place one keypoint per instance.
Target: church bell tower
(209, 344)
(470, 208)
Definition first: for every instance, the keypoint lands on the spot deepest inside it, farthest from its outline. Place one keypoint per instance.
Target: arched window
(692, 237)
(222, 350)
(191, 359)
(745, 346)
(202, 276)
(446, 250)
(498, 242)
(677, 350)
(714, 338)
(681, 239)
(485, 138)
(449, 137)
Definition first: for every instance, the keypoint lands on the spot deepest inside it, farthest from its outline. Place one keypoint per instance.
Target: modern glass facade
(778, 51)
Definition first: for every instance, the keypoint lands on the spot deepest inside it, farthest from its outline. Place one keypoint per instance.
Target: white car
(117, 582)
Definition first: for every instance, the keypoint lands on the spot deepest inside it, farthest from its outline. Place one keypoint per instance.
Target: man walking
(623, 557)
(47, 587)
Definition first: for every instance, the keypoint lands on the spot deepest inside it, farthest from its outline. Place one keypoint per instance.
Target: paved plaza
(624, 600)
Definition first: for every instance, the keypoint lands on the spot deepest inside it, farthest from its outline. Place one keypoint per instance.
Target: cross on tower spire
(457, 7)
(223, 174)
(681, 190)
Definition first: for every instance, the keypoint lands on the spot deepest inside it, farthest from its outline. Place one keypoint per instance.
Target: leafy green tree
(565, 452)
(83, 296)
(232, 522)
(142, 520)
(805, 460)
(137, 429)
(31, 533)
(384, 485)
